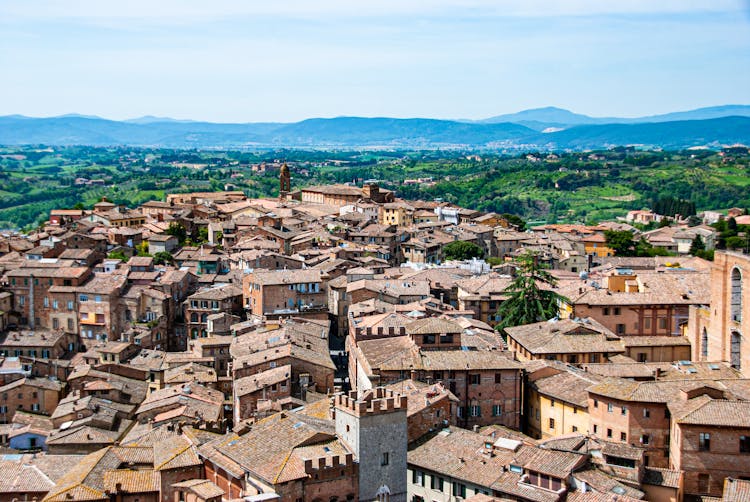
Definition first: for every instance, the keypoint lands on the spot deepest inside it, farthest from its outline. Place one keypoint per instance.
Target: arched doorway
(383, 494)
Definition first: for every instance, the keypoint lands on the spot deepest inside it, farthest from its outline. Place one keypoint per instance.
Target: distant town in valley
(391, 325)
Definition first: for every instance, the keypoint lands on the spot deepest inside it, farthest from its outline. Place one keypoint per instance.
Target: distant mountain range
(543, 128)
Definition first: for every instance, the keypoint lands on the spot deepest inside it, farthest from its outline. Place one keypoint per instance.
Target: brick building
(200, 305)
(40, 395)
(285, 292)
(486, 381)
(33, 305)
(574, 341)
(710, 441)
(718, 327)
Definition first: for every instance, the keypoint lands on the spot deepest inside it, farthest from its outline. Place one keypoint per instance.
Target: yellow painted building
(558, 401)
(396, 213)
(596, 245)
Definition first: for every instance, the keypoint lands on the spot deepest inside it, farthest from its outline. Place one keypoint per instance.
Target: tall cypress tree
(528, 300)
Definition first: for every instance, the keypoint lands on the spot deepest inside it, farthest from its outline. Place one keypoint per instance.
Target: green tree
(177, 230)
(620, 241)
(697, 245)
(530, 295)
(142, 249)
(516, 220)
(462, 250)
(117, 255)
(202, 235)
(163, 258)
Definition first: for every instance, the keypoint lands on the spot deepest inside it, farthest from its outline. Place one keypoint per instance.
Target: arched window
(736, 300)
(704, 344)
(734, 350)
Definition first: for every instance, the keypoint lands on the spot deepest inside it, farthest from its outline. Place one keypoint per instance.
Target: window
(459, 490)
(704, 441)
(605, 311)
(574, 429)
(475, 379)
(475, 410)
(498, 378)
(647, 323)
(623, 411)
(662, 323)
(610, 407)
(436, 483)
(620, 329)
(596, 428)
(623, 436)
(617, 310)
(46, 301)
(704, 483)
(551, 423)
(428, 339)
(736, 295)
(98, 299)
(744, 444)
(497, 410)
(417, 477)
(596, 403)
(384, 459)
(645, 439)
(35, 407)
(646, 413)
(83, 298)
(609, 433)
(70, 304)
(552, 403)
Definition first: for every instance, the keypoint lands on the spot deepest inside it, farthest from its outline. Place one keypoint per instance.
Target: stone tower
(285, 181)
(374, 425)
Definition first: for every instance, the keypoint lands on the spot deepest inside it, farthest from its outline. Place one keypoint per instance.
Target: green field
(573, 187)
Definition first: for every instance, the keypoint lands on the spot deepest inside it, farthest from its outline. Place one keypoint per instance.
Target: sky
(277, 60)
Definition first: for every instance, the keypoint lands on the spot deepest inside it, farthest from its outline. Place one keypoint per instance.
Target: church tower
(285, 182)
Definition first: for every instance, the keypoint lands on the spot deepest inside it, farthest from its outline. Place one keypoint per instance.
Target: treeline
(672, 206)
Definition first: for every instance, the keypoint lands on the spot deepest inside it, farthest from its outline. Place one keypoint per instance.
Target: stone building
(374, 423)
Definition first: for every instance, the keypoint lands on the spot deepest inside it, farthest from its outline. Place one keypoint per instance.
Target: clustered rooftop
(319, 346)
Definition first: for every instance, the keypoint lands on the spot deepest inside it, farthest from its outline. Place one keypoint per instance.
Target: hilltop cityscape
(341, 342)
(377, 251)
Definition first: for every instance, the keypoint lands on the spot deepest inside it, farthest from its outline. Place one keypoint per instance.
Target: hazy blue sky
(276, 60)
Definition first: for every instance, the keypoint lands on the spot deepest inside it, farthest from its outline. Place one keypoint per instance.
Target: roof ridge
(180, 452)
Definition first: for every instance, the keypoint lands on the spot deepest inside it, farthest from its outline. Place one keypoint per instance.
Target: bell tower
(285, 181)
